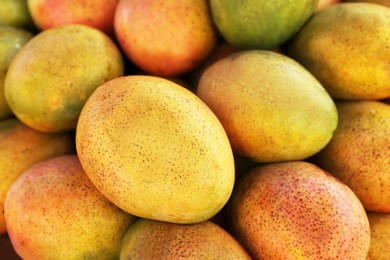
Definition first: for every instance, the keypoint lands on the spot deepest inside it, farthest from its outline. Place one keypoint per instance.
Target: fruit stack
(219, 129)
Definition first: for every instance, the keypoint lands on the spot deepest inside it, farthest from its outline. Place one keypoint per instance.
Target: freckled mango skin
(20, 148)
(155, 150)
(380, 236)
(346, 48)
(270, 106)
(52, 76)
(151, 239)
(295, 210)
(359, 152)
(54, 211)
(165, 38)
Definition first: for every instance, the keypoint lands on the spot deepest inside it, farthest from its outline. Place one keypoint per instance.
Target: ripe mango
(359, 152)
(346, 47)
(155, 149)
(20, 148)
(151, 239)
(53, 211)
(295, 210)
(165, 38)
(52, 76)
(271, 107)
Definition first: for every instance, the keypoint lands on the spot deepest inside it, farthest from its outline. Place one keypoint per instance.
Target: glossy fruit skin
(271, 107)
(260, 24)
(53, 211)
(165, 38)
(46, 89)
(359, 152)
(155, 149)
(295, 210)
(336, 45)
(48, 14)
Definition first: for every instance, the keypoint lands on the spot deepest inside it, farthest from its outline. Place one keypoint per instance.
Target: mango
(359, 152)
(345, 47)
(52, 76)
(271, 107)
(165, 38)
(254, 24)
(53, 211)
(20, 148)
(295, 210)
(151, 239)
(155, 149)
(48, 14)
(11, 40)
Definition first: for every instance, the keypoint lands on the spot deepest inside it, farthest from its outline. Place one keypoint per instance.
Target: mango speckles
(295, 210)
(53, 211)
(359, 153)
(150, 239)
(156, 150)
(49, 80)
(270, 106)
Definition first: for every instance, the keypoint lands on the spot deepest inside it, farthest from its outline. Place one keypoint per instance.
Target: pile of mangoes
(218, 129)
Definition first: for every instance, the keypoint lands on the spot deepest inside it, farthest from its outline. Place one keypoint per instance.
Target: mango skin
(151, 239)
(256, 24)
(359, 152)
(336, 45)
(155, 150)
(11, 40)
(54, 211)
(295, 210)
(165, 38)
(20, 148)
(271, 107)
(380, 236)
(49, 14)
(52, 76)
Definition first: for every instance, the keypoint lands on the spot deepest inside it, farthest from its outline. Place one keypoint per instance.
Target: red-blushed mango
(380, 236)
(151, 239)
(51, 77)
(271, 107)
(359, 152)
(20, 148)
(11, 40)
(53, 211)
(295, 210)
(346, 47)
(155, 149)
(165, 38)
(48, 14)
